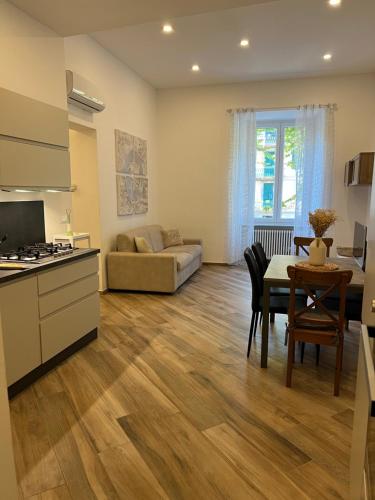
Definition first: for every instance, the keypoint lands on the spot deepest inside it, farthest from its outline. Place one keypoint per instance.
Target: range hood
(34, 140)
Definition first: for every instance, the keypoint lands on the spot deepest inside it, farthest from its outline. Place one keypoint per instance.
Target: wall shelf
(359, 170)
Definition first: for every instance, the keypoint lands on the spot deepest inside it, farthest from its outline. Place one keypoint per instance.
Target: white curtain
(241, 183)
(314, 168)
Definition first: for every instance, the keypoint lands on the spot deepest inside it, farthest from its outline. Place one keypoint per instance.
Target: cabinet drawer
(63, 328)
(63, 275)
(62, 297)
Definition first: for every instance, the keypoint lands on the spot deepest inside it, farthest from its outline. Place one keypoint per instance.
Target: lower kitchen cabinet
(47, 317)
(20, 324)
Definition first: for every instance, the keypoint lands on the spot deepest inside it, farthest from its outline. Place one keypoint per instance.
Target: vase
(317, 252)
(69, 231)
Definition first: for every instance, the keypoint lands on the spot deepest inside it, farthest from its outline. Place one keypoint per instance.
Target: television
(359, 244)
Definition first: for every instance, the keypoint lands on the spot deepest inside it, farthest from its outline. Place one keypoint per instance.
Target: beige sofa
(162, 271)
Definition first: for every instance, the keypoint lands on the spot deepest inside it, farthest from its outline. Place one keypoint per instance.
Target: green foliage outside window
(292, 143)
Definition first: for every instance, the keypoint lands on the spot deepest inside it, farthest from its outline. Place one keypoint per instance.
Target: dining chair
(278, 304)
(302, 243)
(315, 323)
(353, 308)
(260, 256)
(262, 261)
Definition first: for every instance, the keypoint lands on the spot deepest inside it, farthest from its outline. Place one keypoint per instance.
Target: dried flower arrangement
(321, 220)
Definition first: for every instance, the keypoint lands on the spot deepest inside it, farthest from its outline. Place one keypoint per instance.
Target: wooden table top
(276, 274)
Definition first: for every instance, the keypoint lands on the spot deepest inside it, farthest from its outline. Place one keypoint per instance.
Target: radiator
(275, 240)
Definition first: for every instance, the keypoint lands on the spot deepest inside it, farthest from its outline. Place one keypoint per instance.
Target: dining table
(277, 276)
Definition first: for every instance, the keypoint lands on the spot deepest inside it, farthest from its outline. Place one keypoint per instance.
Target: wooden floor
(165, 405)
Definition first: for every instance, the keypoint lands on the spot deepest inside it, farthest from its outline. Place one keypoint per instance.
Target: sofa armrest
(193, 241)
(152, 272)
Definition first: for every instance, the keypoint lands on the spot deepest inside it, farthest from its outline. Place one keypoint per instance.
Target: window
(275, 185)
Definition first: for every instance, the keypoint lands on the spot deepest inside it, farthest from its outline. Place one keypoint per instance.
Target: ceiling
(287, 39)
(73, 17)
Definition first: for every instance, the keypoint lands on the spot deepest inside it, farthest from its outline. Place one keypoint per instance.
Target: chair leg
(347, 324)
(291, 345)
(261, 318)
(339, 353)
(256, 323)
(302, 351)
(286, 336)
(317, 348)
(272, 317)
(342, 355)
(250, 333)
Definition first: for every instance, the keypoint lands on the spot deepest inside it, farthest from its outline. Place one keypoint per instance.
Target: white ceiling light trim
(167, 29)
(334, 3)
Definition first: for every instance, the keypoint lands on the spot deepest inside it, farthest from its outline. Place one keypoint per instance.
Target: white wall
(131, 107)
(32, 64)
(193, 136)
(85, 200)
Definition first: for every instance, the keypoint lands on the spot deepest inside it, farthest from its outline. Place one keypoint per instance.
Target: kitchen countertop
(47, 263)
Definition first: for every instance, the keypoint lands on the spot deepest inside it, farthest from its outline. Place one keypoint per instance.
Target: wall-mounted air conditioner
(83, 93)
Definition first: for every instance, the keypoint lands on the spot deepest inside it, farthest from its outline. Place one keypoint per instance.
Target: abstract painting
(131, 174)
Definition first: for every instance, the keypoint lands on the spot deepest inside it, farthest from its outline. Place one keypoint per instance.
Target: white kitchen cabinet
(34, 141)
(362, 463)
(33, 165)
(47, 317)
(20, 322)
(68, 305)
(63, 296)
(63, 328)
(8, 480)
(65, 274)
(25, 118)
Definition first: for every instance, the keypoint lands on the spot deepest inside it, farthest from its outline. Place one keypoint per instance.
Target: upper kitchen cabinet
(25, 118)
(359, 170)
(34, 142)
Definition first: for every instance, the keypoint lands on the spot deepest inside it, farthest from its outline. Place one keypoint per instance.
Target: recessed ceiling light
(168, 28)
(244, 42)
(334, 3)
(195, 68)
(327, 57)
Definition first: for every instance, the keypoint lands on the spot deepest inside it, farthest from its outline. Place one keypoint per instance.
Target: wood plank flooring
(164, 404)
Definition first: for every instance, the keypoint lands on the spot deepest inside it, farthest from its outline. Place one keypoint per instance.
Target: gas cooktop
(37, 252)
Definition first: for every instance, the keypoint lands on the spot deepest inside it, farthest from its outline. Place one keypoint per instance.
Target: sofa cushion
(171, 238)
(183, 260)
(155, 235)
(126, 243)
(143, 246)
(193, 250)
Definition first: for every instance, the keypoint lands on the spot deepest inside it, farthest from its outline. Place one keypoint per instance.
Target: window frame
(276, 219)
